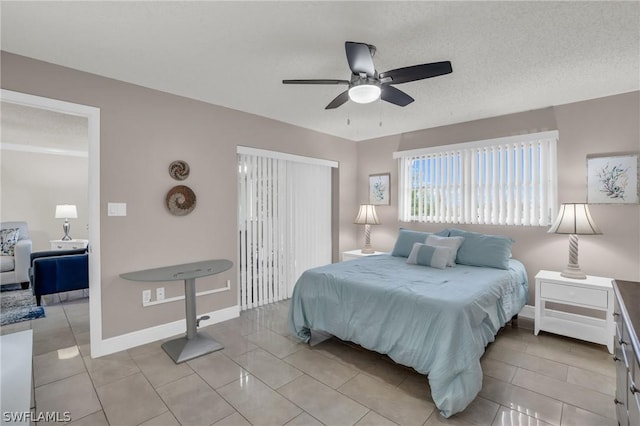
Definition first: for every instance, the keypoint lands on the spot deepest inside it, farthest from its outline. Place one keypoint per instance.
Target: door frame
(92, 114)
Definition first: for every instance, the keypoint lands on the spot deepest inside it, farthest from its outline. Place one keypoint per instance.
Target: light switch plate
(116, 209)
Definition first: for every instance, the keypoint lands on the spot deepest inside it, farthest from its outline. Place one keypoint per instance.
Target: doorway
(34, 104)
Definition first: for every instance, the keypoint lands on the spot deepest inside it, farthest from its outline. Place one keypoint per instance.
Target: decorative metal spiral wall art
(179, 170)
(181, 200)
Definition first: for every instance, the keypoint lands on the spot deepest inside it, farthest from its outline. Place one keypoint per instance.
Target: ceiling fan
(367, 85)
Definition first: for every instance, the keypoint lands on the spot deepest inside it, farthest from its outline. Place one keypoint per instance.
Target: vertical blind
(284, 222)
(504, 181)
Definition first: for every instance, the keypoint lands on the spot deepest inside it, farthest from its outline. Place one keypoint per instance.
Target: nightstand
(69, 244)
(354, 254)
(593, 293)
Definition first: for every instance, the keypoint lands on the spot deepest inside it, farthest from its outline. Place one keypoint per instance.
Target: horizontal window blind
(505, 181)
(284, 222)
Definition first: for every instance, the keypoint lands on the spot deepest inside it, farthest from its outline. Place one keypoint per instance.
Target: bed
(437, 321)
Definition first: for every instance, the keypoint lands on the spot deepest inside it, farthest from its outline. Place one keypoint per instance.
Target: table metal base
(194, 344)
(183, 349)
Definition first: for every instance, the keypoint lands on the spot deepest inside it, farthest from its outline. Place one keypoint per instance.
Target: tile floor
(264, 377)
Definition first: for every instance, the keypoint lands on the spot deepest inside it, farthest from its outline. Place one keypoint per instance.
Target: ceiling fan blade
(416, 72)
(395, 96)
(359, 58)
(339, 100)
(316, 81)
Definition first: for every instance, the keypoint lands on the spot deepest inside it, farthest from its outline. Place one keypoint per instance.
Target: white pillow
(426, 255)
(452, 243)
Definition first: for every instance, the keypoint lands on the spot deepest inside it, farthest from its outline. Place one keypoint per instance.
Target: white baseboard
(152, 334)
(528, 312)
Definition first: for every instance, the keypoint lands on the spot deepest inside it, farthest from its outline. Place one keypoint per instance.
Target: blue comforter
(436, 321)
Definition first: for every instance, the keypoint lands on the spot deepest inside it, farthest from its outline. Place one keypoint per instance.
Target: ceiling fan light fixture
(364, 93)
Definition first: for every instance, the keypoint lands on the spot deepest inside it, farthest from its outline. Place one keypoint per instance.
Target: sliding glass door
(284, 222)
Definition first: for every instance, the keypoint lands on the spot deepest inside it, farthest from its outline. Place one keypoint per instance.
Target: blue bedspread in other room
(436, 321)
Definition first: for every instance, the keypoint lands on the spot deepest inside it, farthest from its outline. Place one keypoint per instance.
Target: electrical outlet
(146, 296)
(160, 293)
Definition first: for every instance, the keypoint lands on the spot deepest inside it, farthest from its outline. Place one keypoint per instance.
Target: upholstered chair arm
(22, 259)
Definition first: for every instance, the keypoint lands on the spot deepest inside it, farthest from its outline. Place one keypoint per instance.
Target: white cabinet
(17, 352)
(69, 244)
(354, 254)
(593, 293)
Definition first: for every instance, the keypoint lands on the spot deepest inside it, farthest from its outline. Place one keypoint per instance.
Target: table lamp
(66, 212)
(574, 219)
(367, 216)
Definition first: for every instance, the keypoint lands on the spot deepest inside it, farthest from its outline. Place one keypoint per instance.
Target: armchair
(15, 269)
(57, 271)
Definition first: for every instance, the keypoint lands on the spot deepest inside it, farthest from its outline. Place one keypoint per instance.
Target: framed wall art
(612, 178)
(379, 189)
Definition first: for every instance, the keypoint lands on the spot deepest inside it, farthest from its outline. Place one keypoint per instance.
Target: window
(504, 181)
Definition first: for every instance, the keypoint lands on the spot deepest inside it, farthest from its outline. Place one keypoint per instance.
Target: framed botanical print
(379, 189)
(612, 178)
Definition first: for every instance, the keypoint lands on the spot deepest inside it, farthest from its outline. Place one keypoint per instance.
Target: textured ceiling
(24, 125)
(506, 56)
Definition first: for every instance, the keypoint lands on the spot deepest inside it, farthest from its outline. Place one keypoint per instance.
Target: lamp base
(573, 271)
(66, 226)
(367, 249)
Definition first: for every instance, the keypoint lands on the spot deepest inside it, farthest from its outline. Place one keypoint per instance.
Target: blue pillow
(407, 237)
(477, 249)
(426, 255)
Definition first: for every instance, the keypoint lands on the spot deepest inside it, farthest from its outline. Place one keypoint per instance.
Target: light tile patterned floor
(265, 377)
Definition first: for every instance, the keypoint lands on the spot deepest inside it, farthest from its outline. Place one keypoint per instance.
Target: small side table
(354, 254)
(595, 293)
(194, 344)
(68, 244)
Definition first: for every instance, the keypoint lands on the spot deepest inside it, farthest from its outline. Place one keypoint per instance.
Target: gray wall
(34, 183)
(602, 125)
(142, 132)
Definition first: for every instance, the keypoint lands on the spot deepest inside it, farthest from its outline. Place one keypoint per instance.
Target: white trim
(92, 114)
(43, 150)
(285, 156)
(528, 311)
(177, 298)
(551, 134)
(159, 332)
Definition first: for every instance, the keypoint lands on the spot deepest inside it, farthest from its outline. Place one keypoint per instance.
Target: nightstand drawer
(69, 244)
(574, 294)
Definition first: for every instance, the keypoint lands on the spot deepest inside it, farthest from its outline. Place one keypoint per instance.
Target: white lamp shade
(66, 211)
(367, 215)
(574, 218)
(364, 93)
